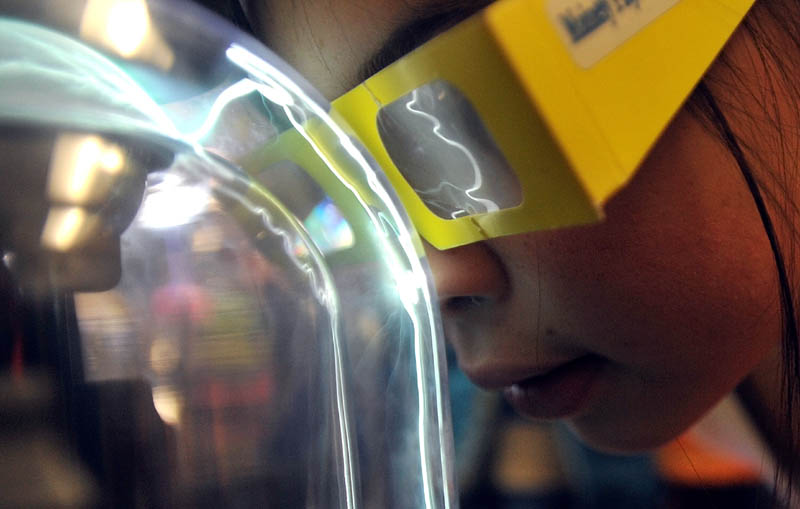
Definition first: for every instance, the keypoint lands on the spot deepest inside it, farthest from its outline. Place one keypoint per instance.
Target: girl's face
(629, 329)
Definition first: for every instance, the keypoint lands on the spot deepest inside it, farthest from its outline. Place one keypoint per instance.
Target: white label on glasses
(593, 28)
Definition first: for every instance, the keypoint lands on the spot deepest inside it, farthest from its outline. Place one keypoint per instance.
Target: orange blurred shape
(690, 460)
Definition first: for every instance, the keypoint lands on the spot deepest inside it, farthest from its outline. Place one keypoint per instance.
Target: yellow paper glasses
(532, 113)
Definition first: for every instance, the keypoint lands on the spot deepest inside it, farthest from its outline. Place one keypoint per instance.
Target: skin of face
(676, 291)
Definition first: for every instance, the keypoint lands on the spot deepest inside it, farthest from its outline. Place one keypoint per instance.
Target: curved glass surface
(233, 309)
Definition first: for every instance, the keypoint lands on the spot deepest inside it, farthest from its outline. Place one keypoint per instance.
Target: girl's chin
(632, 443)
(605, 431)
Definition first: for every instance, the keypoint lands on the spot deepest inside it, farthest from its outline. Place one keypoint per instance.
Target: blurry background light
(328, 228)
(124, 27)
(408, 287)
(168, 404)
(66, 227)
(164, 355)
(172, 203)
(82, 168)
(128, 26)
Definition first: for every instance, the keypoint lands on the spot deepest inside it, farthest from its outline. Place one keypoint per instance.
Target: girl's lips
(561, 392)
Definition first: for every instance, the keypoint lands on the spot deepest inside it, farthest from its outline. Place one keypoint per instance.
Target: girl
(631, 329)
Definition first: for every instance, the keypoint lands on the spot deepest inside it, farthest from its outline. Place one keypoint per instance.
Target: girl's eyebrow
(427, 23)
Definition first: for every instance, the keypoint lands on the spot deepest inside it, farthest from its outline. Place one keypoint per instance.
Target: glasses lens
(443, 149)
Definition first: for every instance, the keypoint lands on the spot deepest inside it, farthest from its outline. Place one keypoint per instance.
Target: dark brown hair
(773, 28)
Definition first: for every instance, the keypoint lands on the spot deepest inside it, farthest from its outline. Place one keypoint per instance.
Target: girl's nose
(467, 275)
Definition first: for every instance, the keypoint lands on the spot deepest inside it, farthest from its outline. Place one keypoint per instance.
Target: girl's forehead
(331, 41)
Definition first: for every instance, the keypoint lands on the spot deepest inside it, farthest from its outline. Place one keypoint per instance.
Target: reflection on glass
(324, 221)
(328, 228)
(440, 145)
(230, 330)
(268, 344)
(169, 203)
(68, 227)
(167, 402)
(125, 27)
(83, 168)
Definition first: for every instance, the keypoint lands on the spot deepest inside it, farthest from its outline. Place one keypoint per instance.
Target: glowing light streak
(239, 89)
(254, 65)
(476, 170)
(66, 76)
(325, 293)
(403, 236)
(400, 277)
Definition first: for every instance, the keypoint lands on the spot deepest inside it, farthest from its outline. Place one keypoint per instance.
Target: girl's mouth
(561, 392)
